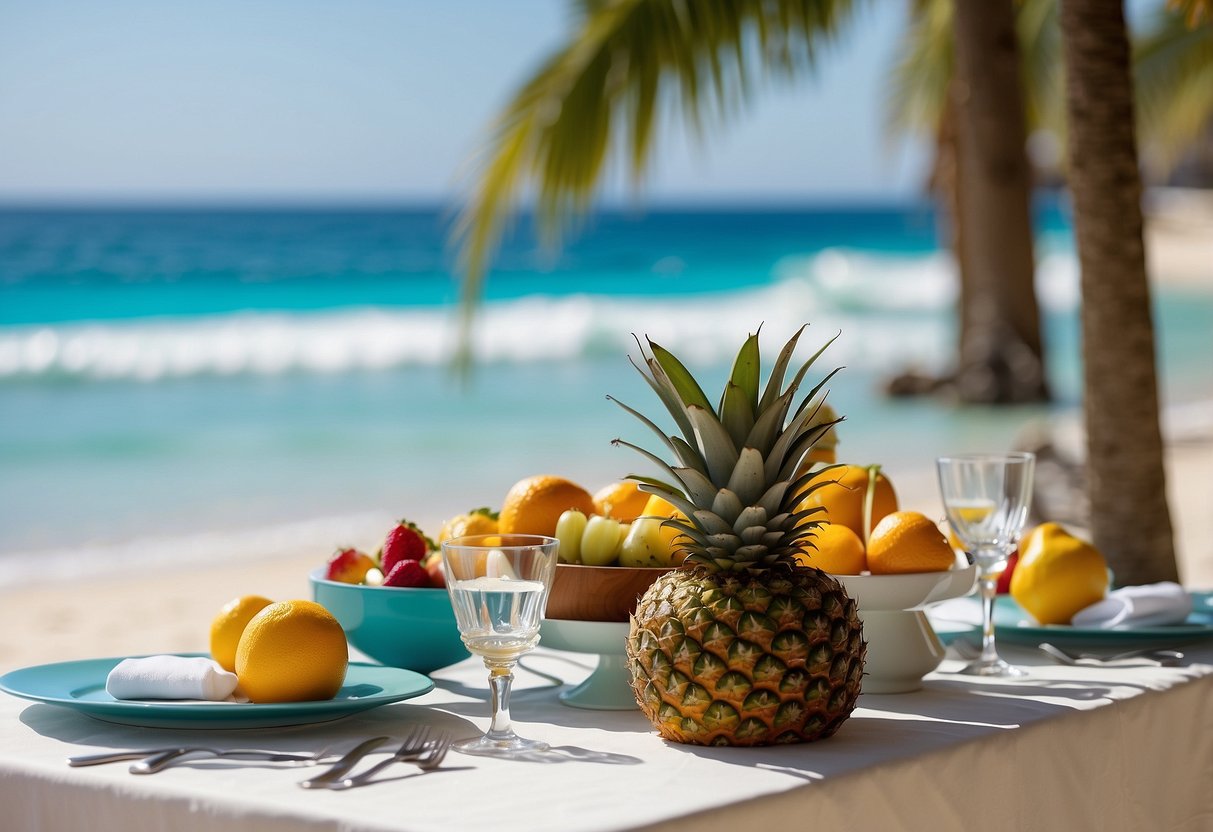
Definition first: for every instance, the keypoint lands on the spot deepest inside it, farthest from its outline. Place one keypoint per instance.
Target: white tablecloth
(1063, 749)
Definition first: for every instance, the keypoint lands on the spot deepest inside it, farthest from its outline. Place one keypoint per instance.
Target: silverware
(1129, 658)
(115, 756)
(169, 757)
(351, 758)
(428, 758)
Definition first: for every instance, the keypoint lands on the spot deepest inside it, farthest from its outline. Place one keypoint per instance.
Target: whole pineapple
(742, 646)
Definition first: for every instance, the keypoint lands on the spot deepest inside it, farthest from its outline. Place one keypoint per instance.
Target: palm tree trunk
(1001, 354)
(1130, 521)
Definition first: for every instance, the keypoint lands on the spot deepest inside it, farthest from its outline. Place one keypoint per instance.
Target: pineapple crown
(737, 474)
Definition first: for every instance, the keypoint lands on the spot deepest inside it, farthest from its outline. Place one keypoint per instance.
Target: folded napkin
(1151, 605)
(170, 677)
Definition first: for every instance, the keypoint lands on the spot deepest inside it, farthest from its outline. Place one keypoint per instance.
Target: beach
(160, 596)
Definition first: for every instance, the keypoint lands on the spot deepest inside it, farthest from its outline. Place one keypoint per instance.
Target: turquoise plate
(1012, 624)
(80, 686)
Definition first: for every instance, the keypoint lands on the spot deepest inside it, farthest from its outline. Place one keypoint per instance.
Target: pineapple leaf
(711, 522)
(779, 451)
(688, 455)
(750, 516)
(747, 480)
(770, 421)
(699, 489)
(775, 382)
(649, 455)
(665, 437)
(802, 445)
(746, 369)
(680, 377)
(670, 493)
(667, 394)
(714, 442)
(727, 505)
(691, 530)
(772, 499)
(736, 413)
(811, 396)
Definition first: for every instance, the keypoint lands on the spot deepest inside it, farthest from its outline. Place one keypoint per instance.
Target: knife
(345, 765)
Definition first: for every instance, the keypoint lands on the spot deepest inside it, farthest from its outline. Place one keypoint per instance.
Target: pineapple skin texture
(738, 659)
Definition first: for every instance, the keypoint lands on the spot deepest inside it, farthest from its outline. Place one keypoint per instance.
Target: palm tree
(1130, 521)
(1174, 66)
(966, 103)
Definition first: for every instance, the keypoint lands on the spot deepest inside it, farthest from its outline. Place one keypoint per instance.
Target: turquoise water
(170, 373)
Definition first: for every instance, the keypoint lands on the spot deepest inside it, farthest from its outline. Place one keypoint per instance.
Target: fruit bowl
(399, 627)
(598, 593)
(902, 646)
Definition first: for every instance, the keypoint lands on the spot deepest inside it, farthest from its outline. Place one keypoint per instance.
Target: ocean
(180, 384)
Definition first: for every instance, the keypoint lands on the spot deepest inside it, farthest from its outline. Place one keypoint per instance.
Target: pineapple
(742, 646)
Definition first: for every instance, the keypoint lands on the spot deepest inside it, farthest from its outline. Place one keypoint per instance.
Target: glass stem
(500, 679)
(989, 588)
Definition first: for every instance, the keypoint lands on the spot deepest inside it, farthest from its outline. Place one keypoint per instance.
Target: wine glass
(499, 586)
(986, 499)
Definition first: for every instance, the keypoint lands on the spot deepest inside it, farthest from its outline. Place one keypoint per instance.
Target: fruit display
(1057, 575)
(742, 646)
(286, 651)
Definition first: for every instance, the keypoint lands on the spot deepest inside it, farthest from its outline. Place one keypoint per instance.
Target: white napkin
(1151, 605)
(170, 677)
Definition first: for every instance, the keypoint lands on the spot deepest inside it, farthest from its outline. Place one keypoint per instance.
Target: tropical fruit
(622, 501)
(741, 646)
(228, 626)
(908, 541)
(843, 492)
(1057, 574)
(476, 521)
(834, 549)
(292, 651)
(534, 505)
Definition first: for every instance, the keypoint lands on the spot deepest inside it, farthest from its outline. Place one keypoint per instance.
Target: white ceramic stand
(608, 688)
(902, 645)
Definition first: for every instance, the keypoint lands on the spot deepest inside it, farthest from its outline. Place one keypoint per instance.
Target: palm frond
(1174, 67)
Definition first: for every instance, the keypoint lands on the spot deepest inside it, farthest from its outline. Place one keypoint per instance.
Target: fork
(169, 757)
(1159, 657)
(429, 758)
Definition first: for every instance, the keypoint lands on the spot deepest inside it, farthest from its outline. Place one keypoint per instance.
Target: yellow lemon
(622, 501)
(533, 505)
(908, 541)
(477, 521)
(838, 550)
(1057, 574)
(228, 626)
(292, 651)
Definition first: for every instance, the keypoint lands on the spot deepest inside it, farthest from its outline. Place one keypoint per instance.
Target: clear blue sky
(302, 100)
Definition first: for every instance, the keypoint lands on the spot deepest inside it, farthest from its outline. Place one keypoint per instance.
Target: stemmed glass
(986, 498)
(499, 586)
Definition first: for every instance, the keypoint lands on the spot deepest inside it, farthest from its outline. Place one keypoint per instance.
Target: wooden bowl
(597, 593)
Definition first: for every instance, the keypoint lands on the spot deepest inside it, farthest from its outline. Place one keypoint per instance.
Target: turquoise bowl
(399, 627)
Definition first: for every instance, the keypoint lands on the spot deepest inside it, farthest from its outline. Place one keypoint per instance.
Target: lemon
(1057, 574)
(478, 521)
(292, 651)
(838, 551)
(908, 541)
(229, 625)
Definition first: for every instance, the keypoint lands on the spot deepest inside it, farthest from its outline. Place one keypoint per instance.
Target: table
(1066, 748)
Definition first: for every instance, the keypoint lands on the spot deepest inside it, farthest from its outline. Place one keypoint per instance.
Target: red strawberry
(407, 573)
(405, 542)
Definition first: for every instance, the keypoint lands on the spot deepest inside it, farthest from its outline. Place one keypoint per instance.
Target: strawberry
(348, 566)
(405, 542)
(408, 573)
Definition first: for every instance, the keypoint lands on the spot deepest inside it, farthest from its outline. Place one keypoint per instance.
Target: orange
(843, 495)
(229, 625)
(292, 651)
(838, 551)
(907, 541)
(477, 521)
(533, 505)
(1057, 574)
(622, 501)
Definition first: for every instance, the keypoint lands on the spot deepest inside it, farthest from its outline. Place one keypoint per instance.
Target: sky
(302, 101)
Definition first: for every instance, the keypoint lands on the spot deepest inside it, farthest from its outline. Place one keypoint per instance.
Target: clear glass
(499, 586)
(986, 497)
